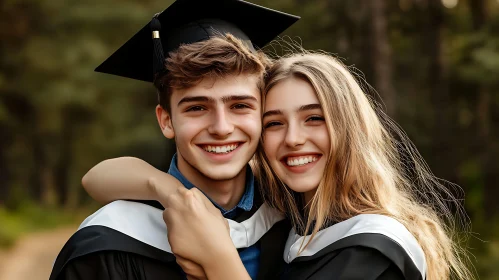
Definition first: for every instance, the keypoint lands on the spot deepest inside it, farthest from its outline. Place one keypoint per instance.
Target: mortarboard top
(189, 21)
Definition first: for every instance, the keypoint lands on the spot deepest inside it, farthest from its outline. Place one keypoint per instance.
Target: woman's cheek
(269, 145)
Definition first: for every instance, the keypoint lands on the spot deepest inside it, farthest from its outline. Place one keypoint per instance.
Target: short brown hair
(216, 57)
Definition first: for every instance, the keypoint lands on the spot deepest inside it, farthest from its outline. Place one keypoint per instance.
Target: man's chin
(223, 173)
(222, 177)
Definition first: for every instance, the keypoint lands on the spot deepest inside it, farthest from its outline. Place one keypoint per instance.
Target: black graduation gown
(127, 240)
(366, 246)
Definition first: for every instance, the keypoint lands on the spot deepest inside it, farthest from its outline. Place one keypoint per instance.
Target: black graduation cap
(189, 21)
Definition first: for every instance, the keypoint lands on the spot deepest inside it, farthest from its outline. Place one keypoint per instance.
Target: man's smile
(220, 148)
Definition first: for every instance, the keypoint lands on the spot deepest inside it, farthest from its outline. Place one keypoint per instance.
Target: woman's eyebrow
(309, 107)
(272, 113)
(302, 108)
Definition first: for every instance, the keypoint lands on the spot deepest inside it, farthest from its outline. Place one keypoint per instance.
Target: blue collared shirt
(250, 256)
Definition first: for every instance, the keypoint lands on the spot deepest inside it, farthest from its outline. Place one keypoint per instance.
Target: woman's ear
(165, 122)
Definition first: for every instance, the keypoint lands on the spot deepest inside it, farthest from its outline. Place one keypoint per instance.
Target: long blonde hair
(372, 168)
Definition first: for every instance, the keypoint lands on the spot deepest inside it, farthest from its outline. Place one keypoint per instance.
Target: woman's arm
(198, 232)
(126, 178)
(226, 266)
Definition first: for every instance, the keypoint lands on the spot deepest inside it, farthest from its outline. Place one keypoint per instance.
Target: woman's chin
(302, 187)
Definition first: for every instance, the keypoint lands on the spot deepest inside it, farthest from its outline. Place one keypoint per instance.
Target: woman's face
(295, 137)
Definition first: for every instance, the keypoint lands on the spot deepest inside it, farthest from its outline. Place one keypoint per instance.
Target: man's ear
(165, 122)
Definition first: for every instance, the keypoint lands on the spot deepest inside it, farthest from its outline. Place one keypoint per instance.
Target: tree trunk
(485, 143)
(4, 178)
(64, 164)
(478, 13)
(381, 55)
(44, 187)
(49, 197)
(44, 181)
(439, 93)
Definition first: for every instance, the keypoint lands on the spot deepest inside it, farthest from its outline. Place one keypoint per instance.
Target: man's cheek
(252, 123)
(189, 128)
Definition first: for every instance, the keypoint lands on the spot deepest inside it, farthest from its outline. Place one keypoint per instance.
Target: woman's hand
(193, 270)
(199, 235)
(160, 190)
(197, 230)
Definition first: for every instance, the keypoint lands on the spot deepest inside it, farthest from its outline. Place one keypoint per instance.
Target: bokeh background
(434, 63)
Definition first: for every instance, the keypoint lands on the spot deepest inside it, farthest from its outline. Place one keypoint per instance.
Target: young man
(210, 103)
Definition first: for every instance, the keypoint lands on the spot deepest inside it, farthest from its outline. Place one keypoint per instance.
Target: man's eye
(195, 108)
(271, 124)
(241, 106)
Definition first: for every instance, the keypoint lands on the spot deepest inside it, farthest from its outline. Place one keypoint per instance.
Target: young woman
(362, 201)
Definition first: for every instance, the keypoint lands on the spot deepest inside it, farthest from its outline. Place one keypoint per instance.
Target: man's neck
(225, 193)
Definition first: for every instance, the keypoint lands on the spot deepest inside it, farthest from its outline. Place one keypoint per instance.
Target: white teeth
(298, 161)
(220, 149)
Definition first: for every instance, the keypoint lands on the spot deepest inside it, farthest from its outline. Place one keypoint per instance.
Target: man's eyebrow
(195, 99)
(272, 113)
(309, 107)
(229, 98)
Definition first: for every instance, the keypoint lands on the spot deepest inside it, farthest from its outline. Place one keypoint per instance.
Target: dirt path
(33, 255)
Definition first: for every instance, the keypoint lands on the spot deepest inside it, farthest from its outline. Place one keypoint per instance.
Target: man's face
(216, 125)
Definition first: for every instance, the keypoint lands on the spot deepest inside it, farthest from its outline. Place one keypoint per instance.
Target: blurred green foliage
(31, 217)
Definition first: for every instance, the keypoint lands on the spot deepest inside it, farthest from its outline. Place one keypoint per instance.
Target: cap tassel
(158, 55)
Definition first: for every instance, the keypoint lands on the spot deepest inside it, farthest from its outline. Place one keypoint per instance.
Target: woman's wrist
(225, 265)
(162, 185)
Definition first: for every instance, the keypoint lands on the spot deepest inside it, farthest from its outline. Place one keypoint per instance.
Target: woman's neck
(308, 196)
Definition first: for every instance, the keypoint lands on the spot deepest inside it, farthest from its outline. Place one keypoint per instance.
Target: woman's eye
(271, 124)
(315, 118)
(195, 108)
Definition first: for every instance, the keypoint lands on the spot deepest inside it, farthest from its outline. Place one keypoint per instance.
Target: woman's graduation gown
(367, 246)
(128, 240)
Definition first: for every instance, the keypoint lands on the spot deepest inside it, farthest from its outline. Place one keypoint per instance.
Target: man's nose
(222, 125)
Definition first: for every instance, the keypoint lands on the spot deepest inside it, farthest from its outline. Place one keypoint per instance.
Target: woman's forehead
(290, 93)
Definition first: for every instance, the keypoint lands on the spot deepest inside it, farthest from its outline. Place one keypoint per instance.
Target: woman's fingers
(195, 227)
(209, 206)
(165, 197)
(183, 191)
(206, 202)
(201, 197)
